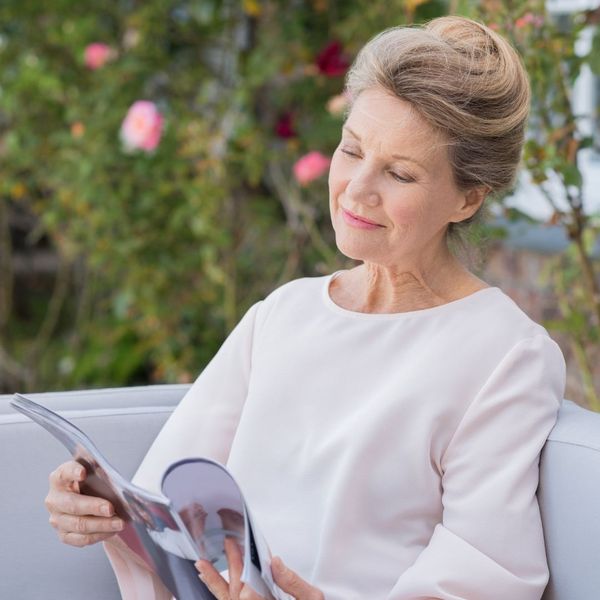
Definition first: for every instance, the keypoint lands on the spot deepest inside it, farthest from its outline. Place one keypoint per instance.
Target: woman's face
(391, 192)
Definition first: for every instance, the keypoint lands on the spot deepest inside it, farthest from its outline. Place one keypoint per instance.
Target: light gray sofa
(34, 565)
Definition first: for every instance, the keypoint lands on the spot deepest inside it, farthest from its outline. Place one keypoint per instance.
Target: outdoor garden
(163, 166)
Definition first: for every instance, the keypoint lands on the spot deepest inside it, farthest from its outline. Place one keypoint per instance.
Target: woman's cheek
(339, 177)
(338, 172)
(401, 212)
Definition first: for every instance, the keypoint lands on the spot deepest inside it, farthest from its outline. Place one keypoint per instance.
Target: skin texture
(79, 520)
(405, 266)
(406, 263)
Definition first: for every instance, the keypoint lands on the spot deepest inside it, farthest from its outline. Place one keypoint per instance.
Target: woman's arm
(203, 424)
(205, 421)
(136, 581)
(490, 545)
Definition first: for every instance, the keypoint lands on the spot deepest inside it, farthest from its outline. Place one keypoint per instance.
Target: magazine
(201, 505)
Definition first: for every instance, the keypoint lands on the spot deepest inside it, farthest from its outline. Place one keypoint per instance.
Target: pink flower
(96, 55)
(529, 19)
(310, 167)
(331, 60)
(142, 127)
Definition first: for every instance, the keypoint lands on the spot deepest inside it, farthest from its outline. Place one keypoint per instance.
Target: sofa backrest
(34, 564)
(569, 496)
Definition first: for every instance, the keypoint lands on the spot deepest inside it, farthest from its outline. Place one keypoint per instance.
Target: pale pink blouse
(384, 456)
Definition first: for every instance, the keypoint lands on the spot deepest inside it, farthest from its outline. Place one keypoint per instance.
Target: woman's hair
(469, 84)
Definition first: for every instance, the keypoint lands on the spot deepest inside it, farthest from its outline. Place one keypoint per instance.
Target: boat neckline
(439, 309)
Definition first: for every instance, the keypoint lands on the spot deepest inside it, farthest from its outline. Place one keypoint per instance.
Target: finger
(85, 524)
(213, 580)
(72, 503)
(66, 473)
(80, 539)
(235, 565)
(248, 593)
(290, 582)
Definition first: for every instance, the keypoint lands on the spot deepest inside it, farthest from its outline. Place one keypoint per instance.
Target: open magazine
(200, 506)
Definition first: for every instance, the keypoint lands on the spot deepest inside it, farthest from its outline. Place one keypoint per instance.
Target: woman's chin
(354, 250)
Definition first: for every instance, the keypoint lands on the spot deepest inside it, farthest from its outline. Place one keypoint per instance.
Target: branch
(298, 215)
(13, 368)
(577, 346)
(6, 271)
(59, 293)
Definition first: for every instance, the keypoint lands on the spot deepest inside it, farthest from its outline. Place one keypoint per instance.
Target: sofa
(34, 565)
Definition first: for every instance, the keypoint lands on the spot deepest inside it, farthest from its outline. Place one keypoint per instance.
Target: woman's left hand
(289, 581)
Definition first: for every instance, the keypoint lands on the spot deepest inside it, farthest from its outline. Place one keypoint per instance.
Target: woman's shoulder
(497, 326)
(297, 289)
(302, 293)
(507, 314)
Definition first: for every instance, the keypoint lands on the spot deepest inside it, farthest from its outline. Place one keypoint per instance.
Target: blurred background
(163, 166)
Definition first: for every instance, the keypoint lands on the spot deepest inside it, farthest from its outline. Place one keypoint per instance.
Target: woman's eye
(394, 175)
(400, 178)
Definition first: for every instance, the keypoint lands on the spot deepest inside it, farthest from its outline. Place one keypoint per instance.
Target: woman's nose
(362, 188)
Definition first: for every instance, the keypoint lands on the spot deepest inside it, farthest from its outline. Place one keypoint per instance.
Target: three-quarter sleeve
(490, 545)
(202, 424)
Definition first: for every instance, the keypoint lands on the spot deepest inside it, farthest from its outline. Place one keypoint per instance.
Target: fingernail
(117, 524)
(106, 510)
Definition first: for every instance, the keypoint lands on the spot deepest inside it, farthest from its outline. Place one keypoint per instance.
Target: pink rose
(96, 55)
(142, 127)
(310, 167)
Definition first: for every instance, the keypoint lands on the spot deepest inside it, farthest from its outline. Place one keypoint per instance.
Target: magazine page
(211, 504)
(153, 529)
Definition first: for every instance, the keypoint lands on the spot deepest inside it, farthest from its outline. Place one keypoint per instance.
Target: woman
(385, 422)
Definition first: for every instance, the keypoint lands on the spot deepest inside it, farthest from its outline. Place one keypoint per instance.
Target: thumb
(290, 582)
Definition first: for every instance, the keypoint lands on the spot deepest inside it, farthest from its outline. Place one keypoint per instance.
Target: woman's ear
(471, 201)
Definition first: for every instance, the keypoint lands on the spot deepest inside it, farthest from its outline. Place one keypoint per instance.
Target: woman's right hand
(79, 520)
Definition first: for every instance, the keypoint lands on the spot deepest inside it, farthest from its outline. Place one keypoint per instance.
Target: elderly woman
(384, 422)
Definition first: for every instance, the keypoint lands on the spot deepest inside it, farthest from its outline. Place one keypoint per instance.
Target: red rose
(331, 61)
(284, 127)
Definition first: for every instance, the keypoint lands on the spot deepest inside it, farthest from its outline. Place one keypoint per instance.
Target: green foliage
(161, 252)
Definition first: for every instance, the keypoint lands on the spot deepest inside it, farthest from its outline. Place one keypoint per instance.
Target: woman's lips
(358, 222)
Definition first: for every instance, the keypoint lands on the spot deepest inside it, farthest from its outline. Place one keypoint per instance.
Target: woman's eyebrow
(396, 156)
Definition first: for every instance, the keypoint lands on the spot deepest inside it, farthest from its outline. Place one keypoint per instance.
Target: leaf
(594, 55)
(571, 175)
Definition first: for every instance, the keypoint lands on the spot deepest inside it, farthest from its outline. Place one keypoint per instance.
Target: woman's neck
(372, 288)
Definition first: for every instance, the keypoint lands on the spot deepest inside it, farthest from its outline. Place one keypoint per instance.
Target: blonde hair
(466, 81)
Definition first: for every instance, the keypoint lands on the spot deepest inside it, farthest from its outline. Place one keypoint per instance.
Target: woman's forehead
(379, 119)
